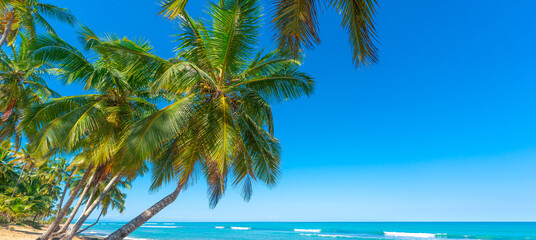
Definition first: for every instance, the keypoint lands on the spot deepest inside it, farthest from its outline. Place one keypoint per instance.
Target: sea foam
(240, 228)
(307, 230)
(219, 227)
(335, 236)
(160, 226)
(406, 234)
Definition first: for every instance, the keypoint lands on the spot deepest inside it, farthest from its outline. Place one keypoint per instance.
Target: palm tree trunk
(135, 223)
(65, 226)
(20, 176)
(65, 188)
(7, 29)
(70, 234)
(90, 197)
(63, 211)
(35, 217)
(91, 224)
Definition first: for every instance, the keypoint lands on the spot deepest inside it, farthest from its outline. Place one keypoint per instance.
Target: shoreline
(25, 232)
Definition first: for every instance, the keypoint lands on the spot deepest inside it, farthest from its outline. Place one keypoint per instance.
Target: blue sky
(443, 128)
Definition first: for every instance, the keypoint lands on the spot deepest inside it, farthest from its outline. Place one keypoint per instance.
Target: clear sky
(443, 128)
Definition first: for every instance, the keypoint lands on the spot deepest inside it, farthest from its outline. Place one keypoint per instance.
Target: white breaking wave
(307, 230)
(335, 236)
(328, 235)
(94, 234)
(219, 227)
(161, 226)
(240, 228)
(131, 238)
(405, 234)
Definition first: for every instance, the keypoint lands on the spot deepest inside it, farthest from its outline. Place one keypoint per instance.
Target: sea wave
(219, 227)
(241, 228)
(328, 235)
(307, 230)
(94, 234)
(160, 226)
(335, 236)
(406, 234)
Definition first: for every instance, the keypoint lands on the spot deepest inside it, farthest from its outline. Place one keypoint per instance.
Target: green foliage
(27, 190)
(221, 123)
(218, 122)
(296, 23)
(29, 16)
(95, 122)
(22, 84)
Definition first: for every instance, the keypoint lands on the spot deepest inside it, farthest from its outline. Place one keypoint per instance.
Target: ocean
(324, 230)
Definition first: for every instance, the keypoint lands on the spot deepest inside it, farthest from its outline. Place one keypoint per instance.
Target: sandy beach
(17, 232)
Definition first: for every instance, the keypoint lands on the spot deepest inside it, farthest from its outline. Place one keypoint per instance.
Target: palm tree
(114, 199)
(94, 123)
(23, 157)
(35, 196)
(27, 15)
(22, 84)
(7, 170)
(222, 121)
(296, 24)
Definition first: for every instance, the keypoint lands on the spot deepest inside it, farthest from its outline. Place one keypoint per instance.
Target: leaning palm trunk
(64, 210)
(7, 29)
(91, 197)
(65, 226)
(93, 224)
(70, 234)
(20, 177)
(135, 223)
(65, 188)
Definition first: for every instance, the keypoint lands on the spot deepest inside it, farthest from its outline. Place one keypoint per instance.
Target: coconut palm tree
(221, 122)
(94, 123)
(35, 194)
(7, 170)
(22, 83)
(296, 24)
(114, 199)
(24, 158)
(27, 15)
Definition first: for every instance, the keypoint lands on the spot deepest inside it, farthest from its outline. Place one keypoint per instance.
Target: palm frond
(286, 85)
(147, 135)
(172, 9)
(296, 24)
(234, 32)
(358, 20)
(58, 13)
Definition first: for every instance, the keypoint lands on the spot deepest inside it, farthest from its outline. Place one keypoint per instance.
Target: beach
(18, 232)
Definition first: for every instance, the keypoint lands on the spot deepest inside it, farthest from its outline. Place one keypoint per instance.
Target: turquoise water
(327, 230)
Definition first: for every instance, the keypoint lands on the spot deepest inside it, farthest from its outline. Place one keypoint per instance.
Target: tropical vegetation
(207, 110)
(296, 24)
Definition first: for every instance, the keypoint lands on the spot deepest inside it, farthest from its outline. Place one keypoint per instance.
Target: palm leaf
(147, 135)
(235, 27)
(172, 9)
(357, 19)
(60, 14)
(296, 24)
